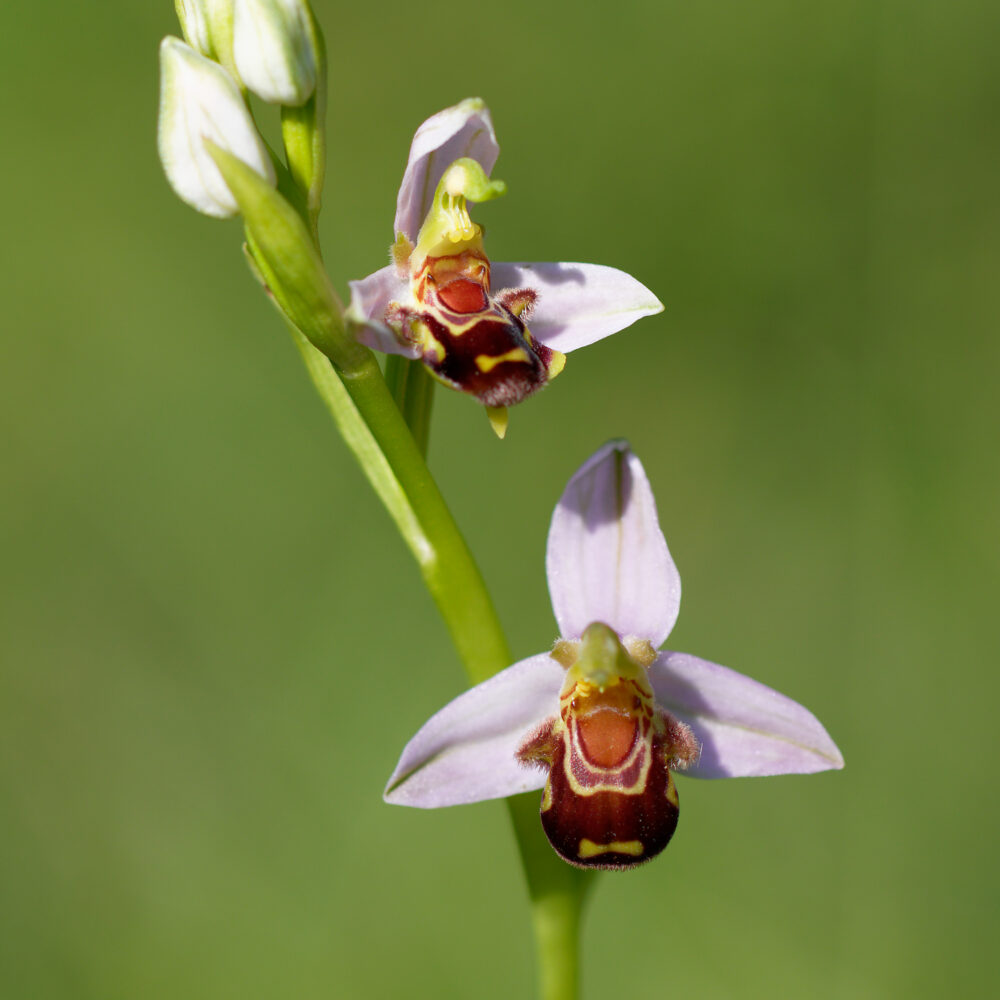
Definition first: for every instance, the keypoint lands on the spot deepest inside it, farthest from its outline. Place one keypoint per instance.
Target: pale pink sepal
(607, 560)
(465, 753)
(578, 304)
(465, 129)
(369, 298)
(745, 728)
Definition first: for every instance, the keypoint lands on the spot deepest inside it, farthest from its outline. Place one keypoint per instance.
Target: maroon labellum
(471, 339)
(609, 800)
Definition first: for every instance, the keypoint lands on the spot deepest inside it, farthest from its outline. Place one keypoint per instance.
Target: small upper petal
(463, 130)
(369, 298)
(578, 304)
(745, 728)
(465, 753)
(607, 559)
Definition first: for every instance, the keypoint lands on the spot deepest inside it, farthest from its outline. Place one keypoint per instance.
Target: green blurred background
(213, 647)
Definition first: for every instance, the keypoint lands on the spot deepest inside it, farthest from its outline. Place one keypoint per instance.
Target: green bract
(289, 263)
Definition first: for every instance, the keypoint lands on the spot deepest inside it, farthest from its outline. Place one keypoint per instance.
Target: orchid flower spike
(436, 301)
(604, 719)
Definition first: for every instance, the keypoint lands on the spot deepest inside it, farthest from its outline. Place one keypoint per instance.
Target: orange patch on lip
(463, 296)
(607, 737)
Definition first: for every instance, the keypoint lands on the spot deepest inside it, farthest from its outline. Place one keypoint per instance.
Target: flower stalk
(303, 132)
(558, 893)
(385, 421)
(413, 390)
(375, 430)
(367, 418)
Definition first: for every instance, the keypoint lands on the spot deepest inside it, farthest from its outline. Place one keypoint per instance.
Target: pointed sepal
(579, 304)
(467, 751)
(607, 559)
(745, 728)
(465, 129)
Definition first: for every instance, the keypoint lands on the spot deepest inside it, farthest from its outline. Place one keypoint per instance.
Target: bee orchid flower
(603, 720)
(499, 332)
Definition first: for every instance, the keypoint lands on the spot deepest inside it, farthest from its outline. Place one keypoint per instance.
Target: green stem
(557, 893)
(375, 431)
(285, 257)
(413, 389)
(303, 132)
(373, 428)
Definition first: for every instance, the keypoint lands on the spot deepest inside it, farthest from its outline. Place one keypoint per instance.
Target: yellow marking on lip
(671, 791)
(428, 342)
(547, 797)
(556, 363)
(486, 362)
(638, 787)
(588, 849)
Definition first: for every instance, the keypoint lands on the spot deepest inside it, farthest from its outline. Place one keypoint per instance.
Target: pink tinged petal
(463, 130)
(369, 298)
(607, 559)
(465, 753)
(745, 728)
(578, 304)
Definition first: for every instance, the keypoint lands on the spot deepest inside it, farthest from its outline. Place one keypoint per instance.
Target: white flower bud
(273, 49)
(199, 101)
(194, 19)
(208, 28)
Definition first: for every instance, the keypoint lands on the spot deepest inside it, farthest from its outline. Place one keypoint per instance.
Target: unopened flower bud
(274, 49)
(208, 28)
(199, 100)
(194, 23)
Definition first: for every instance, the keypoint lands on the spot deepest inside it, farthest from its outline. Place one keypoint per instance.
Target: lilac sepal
(607, 559)
(369, 298)
(465, 129)
(465, 753)
(578, 304)
(745, 728)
